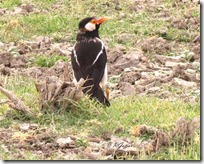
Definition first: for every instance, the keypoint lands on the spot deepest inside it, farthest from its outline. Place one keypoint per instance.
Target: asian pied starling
(89, 60)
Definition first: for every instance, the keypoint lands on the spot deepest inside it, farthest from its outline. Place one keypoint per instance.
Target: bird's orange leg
(107, 92)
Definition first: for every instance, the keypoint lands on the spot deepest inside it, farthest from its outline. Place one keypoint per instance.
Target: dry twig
(16, 103)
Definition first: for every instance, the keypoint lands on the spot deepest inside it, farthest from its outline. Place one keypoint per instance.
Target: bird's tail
(99, 95)
(95, 92)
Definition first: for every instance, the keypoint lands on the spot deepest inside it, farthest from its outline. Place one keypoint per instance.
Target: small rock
(122, 15)
(109, 157)
(198, 76)
(174, 64)
(130, 77)
(126, 37)
(155, 45)
(33, 126)
(25, 127)
(65, 142)
(196, 1)
(184, 83)
(182, 25)
(95, 140)
(1, 44)
(5, 71)
(73, 137)
(127, 70)
(118, 7)
(44, 41)
(162, 73)
(153, 89)
(27, 7)
(134, 55)
(140, 88)
(91, 155)
(191, 71)
(196, 91)
(58, 50)
(18, 10)
(32, 44)
(144, 59)
(127, 89)
(89, 149)
(162, 32)
(196, 39)
(196, 65)
(146, 75)
(94, 144)
(21, 51)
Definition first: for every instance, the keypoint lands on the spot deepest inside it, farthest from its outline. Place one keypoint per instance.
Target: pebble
(153, 89)
(184, 83)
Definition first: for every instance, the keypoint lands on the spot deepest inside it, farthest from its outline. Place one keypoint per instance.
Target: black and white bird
(89, 60)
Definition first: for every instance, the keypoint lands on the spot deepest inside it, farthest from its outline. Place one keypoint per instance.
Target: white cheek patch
(90, 26)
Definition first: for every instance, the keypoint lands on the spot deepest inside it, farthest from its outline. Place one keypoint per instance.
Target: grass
(47, 60)
(10, 4)
(59, 19)
(89, 118)
(64, 21)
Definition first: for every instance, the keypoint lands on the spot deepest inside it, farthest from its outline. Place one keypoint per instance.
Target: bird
(89, 60)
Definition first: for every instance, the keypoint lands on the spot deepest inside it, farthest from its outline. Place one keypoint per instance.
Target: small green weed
(48, 61)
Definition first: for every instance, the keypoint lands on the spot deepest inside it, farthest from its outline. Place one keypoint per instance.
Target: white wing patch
(100, 52)
(104, 78)
(75, 55)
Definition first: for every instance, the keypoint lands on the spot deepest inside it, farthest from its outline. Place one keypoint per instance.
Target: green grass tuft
(10, 3)
(45, 61)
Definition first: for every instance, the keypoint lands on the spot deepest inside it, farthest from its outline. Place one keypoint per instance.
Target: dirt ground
(129, 73)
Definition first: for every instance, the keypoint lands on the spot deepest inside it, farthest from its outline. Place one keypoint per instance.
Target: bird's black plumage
(89, 60)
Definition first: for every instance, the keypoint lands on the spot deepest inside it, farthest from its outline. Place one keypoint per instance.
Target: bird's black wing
(88, 61)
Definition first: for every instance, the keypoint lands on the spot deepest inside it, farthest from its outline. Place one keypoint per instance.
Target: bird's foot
(107, 91)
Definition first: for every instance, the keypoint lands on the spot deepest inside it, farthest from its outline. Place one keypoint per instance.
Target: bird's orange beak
(101, 20)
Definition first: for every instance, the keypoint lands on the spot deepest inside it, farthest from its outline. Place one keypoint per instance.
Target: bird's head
(90, 24)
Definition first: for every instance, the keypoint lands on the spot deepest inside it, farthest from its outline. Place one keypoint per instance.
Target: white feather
(104, 78)
(90, 26)
(100, 52)
(75, 55)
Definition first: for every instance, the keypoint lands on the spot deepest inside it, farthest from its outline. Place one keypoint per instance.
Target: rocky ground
(130, 73)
